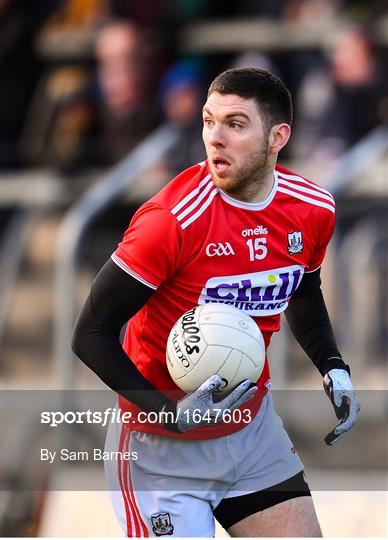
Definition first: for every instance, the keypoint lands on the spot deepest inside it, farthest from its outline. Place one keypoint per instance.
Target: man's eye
(208, 122)
(235, 125)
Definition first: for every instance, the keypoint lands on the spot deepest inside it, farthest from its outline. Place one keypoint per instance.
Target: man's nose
(217, 136)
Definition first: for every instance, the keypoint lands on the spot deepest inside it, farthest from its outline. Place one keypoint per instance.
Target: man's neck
(265, 190)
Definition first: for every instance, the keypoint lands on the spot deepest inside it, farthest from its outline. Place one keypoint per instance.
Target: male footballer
(268, 229)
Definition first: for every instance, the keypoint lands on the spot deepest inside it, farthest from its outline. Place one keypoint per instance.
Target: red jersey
(193, 244)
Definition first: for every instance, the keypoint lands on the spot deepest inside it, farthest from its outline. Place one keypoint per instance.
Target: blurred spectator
(146, 13)
(82, 120)
(71, 145)
(68, 35)
(311, 11)
(70, 14)
(312, 15)
(127, 111)
(254, 59)
(341, 104)
(58, 127)
(182, 93)
(19, 71)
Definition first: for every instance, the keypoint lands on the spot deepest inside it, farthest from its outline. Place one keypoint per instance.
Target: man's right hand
(202, 407)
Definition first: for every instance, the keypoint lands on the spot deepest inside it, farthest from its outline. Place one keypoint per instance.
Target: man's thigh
(179, 505)
(158, 494)
(291, 518)
(284, 509)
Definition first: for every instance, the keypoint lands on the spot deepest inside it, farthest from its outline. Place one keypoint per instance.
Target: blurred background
(99, 108)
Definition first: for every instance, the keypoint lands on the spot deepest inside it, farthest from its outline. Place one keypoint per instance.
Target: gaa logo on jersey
(258, 293)
(219, 249)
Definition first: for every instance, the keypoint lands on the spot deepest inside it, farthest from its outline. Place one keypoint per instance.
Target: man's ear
(278, 137)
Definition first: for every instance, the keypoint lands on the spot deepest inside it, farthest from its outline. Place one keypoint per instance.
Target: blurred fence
(75, 223)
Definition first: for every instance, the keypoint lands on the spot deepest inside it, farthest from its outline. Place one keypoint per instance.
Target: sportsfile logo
(259, 293)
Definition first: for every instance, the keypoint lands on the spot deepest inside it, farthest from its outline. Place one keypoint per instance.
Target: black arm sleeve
(310, 323)
(114, 298)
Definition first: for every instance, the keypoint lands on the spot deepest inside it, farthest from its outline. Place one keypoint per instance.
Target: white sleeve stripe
(306, 190)
(307, 199)
(201, 209)
(192, 194)
(303, 181)
(193, 205)
(121, 264)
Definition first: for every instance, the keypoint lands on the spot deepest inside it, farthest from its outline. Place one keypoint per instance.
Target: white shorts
(173, 482)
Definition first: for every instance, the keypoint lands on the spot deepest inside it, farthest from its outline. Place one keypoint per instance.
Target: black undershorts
(234, 509)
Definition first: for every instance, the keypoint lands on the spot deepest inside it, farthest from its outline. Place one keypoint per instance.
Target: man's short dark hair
(268, 90)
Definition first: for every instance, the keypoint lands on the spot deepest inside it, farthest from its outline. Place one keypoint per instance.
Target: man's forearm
(115, 297)
(310, 323)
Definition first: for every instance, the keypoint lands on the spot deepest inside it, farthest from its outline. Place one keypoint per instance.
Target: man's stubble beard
(252, 177)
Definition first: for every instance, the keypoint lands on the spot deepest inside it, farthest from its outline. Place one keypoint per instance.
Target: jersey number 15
(257, 248)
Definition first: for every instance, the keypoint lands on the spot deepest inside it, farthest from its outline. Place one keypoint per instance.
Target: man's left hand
(338, 387)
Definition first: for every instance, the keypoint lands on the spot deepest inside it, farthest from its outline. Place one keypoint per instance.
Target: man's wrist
(170, 410)
(334, 362)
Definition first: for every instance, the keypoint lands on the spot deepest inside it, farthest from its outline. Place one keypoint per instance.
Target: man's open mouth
(220, 164)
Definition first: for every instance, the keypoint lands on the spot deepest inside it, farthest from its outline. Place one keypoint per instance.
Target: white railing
(76, 221)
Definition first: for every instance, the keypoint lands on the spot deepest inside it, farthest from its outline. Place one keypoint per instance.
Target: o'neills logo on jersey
(259, 293)
(257, 231)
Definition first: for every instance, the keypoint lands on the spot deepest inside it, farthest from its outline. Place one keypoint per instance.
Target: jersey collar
(252, 206)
